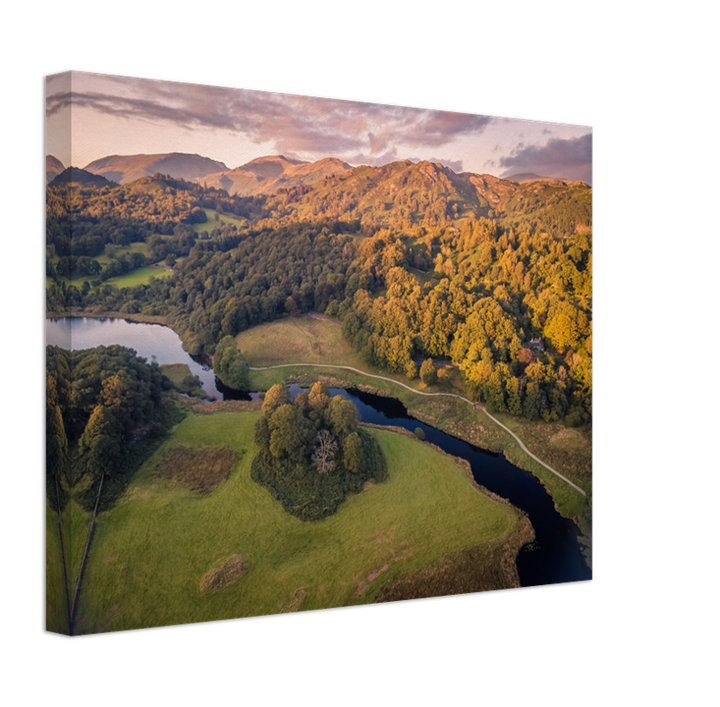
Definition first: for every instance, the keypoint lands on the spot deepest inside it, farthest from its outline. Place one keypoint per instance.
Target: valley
(463, 298)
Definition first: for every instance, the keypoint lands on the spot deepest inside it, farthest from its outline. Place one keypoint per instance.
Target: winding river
(554, 556)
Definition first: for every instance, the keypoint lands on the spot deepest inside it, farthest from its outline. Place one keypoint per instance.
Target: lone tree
(231, 368)
(428, 372)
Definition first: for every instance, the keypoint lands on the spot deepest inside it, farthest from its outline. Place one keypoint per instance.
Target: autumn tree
(275, 397)
(319, 399)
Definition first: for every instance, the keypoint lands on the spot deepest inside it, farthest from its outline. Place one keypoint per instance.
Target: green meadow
(150, 552)
(215, 219)
(139, 276)
(56, 603)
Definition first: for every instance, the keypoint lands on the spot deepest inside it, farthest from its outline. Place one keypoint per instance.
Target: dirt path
(419, 392)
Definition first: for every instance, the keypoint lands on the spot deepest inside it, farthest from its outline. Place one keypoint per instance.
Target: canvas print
(306, 353)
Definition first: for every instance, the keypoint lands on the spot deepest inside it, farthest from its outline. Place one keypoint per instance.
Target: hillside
(75, 175)
(402, 194)
(127, 168)
(416, 261)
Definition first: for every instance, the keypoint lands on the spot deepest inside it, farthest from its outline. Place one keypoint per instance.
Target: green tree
(290, 433)
(342, 416)
(229, 365)
(353, 453)
(99, 445)
(428, 372)
(56, 449)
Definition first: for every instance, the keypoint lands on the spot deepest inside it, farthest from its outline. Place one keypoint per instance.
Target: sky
(111, 115)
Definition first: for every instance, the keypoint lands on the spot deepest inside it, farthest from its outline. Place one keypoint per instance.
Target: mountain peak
(181, 165)
(75, 175)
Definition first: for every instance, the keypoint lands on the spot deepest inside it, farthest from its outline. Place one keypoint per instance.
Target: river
(553, 557)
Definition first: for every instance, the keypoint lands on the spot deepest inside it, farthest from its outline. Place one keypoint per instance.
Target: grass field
(152, 550)
(56, 604)
(139, 276)
(222, 219)
(310, 340)
(297, 339)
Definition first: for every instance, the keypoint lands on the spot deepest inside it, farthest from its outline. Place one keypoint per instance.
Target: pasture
(153, 551)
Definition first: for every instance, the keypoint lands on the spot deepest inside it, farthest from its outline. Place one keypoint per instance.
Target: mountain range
(402, 192)
(263, 175)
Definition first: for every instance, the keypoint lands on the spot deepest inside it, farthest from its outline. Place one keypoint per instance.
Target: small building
(537, 344)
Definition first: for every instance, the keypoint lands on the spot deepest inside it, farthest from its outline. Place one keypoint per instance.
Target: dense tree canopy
(312, 452)
(98, 401)
(417, 262)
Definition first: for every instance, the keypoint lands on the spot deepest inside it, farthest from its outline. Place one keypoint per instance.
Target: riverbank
(469, 424)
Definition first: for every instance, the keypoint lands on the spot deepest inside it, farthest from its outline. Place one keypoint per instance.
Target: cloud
(569, 158)
(434, 127)
(297, 124)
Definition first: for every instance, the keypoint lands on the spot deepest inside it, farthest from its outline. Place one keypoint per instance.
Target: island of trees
(312, 453)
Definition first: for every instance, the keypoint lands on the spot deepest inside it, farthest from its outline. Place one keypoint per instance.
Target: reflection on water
(153, 342)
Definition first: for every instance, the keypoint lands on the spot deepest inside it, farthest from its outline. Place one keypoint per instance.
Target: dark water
(554, 556)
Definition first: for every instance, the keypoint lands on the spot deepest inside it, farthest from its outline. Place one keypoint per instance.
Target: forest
(99, 418)
(416, 261)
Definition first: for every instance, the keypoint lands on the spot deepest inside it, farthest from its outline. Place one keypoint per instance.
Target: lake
(555, 555)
